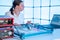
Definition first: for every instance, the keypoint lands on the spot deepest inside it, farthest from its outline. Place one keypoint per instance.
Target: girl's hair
(15, 2)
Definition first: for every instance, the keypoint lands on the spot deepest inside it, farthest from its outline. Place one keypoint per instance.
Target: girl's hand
(28, 22)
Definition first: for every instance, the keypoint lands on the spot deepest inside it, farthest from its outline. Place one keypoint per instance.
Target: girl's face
(21, 7)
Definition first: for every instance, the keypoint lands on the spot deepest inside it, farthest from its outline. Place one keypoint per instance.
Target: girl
(14, 12)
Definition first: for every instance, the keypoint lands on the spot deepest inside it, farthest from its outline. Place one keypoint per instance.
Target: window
(6, 2)
(36, 3)
(45, 2)
(36, 12)
(45, 13)
(55, 2)
(3, 10)
(28, 12)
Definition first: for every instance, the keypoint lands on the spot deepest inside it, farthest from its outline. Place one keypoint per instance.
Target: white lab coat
(17, 19)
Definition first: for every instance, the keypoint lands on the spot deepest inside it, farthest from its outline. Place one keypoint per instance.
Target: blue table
(35, 29)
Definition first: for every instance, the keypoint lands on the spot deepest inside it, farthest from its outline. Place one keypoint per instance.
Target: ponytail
(11, 10)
